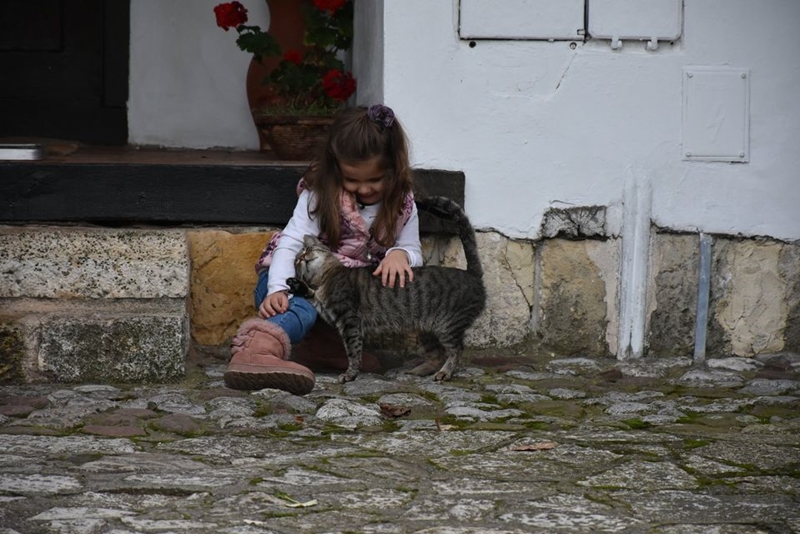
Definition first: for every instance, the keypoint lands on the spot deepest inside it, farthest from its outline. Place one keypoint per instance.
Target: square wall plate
(558, 20)
(716, 114)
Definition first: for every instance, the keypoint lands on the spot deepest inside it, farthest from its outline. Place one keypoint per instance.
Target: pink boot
(259, 351)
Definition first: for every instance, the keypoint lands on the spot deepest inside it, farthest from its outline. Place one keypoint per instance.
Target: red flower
(293, 56)
(338, 85)
(230, 15)
(329, 5)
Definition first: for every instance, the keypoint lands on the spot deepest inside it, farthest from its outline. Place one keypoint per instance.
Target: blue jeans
(297, 320)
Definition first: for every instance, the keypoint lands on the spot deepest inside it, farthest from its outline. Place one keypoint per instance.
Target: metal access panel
(559, 20)
(641, 20)
(716, 114)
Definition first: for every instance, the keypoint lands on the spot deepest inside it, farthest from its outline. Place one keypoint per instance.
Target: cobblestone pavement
(510, 445)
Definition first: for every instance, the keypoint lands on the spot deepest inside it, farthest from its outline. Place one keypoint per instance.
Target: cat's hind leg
(452, 352)
(432, 354)
(353, 337)
(426, 368)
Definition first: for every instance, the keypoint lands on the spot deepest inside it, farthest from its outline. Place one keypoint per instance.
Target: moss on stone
(692, 443)
(689, 418)
(637, 424)
(12, 350)
(765, 413)
(262, 410)
(501, 426)
(555, 408)
(290, 427)
(390, 426)
(537, 425)
(490, 398)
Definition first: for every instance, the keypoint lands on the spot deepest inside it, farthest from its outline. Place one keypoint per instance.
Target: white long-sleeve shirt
(301, 224)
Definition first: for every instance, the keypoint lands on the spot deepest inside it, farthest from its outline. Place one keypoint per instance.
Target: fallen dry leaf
(292, 503)
(302, 504)
(442, 427)
(394, 411)
(541, 446)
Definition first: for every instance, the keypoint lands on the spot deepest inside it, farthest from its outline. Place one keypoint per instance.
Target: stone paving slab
(533, 444)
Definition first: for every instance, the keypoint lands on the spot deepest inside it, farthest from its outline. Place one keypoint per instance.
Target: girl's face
(365, 179)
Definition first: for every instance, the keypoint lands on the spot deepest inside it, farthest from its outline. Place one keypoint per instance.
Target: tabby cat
(440, 304)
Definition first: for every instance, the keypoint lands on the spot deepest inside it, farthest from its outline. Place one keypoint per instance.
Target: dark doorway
(64, 69)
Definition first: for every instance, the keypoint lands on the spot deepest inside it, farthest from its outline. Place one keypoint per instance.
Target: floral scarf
(358, 247)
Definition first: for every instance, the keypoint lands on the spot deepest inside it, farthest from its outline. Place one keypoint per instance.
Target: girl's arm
(408, 240)
(407, 253)
(282, 266)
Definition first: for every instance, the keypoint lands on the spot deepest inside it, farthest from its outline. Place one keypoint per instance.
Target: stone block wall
(672, 294)
(577, 306)
(222, 281)
(564, 293)
(509, 268)
(755, 296)
(90, 304)
(86, 304)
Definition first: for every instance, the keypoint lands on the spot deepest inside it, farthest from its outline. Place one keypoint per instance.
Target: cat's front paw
(440, 377)
(296, 287)
(446, 371)
(347, 376)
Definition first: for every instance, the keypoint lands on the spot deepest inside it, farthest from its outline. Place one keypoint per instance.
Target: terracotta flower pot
(293, 137)
(287, 25)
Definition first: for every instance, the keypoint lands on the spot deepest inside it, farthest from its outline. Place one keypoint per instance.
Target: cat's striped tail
(445, 208)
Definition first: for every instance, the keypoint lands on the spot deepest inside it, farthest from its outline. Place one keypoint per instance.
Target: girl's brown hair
(353, 138)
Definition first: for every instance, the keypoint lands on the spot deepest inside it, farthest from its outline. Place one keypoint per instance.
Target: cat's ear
(309, 240)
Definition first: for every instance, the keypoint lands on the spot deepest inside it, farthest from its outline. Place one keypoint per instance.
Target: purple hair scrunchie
(381, 115)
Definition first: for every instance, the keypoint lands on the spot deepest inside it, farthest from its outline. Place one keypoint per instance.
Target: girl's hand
(393, 268)
(273, 305)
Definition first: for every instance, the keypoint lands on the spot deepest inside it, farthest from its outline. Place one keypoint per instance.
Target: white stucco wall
(368, 51)
(537, 124)
(533, 125)
(187, 76)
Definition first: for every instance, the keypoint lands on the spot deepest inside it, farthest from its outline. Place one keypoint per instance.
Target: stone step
(90, 347)
(82, 304)
(93, 263)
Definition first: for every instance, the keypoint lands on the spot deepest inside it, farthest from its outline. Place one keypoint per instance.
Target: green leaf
(332, 62)
(257, 42)
(299, 87)
(322, 36)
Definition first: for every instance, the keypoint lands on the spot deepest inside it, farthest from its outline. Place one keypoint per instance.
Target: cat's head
(313, 261)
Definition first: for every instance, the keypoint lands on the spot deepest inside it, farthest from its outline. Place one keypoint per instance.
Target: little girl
(358, 199)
